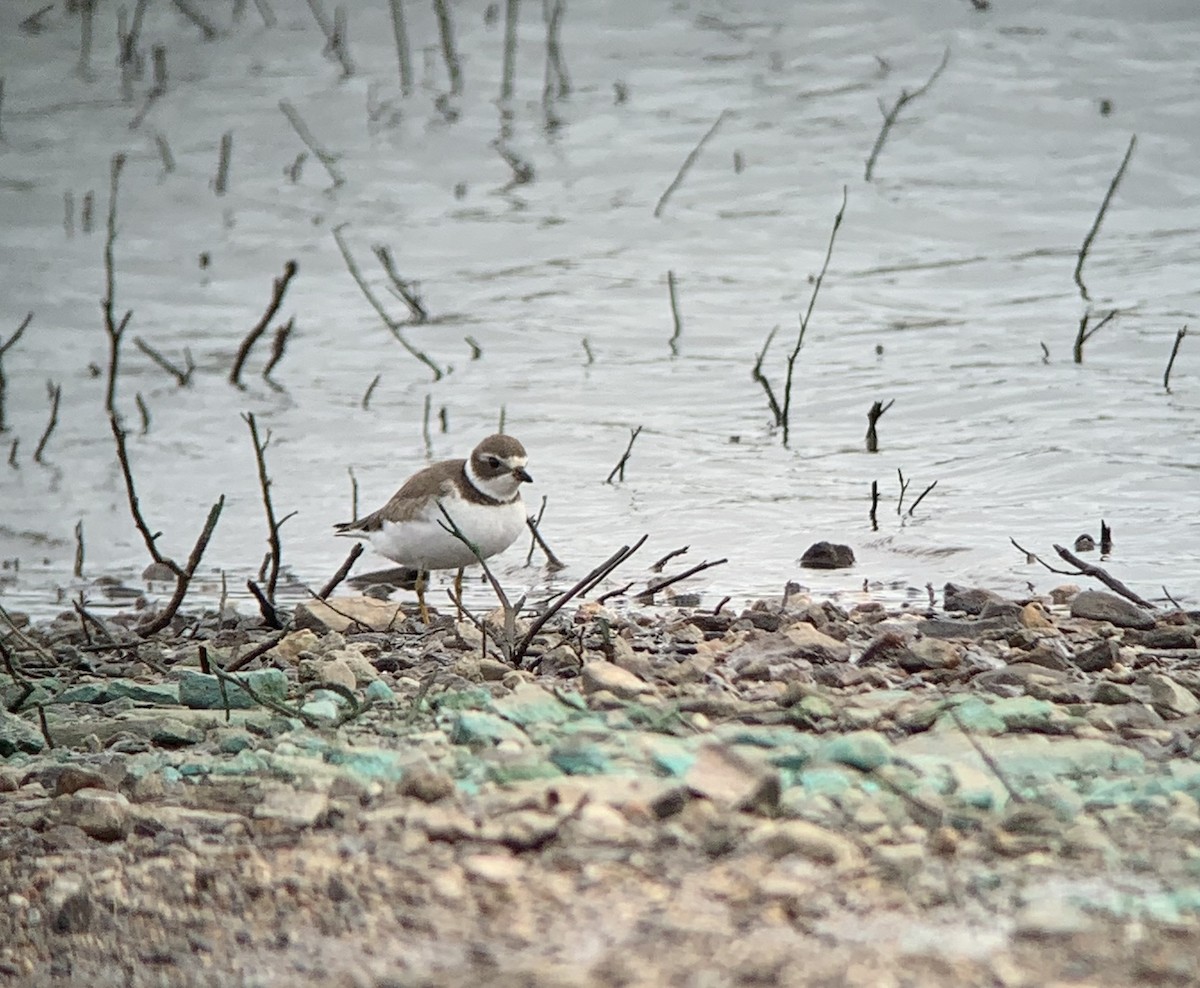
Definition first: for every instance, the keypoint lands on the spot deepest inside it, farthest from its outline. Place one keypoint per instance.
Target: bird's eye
(493, 462)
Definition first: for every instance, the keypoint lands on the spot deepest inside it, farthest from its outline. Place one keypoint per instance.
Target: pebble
(622, 683)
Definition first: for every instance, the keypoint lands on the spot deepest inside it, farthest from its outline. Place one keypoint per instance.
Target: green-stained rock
(477, 727)
(201, 691)
(1024, 713)
(827, 781)
(530, 704)
(18, 734)
(670, 756)
(371, 763)
(379, 692)
(83, 693)
(581, 759)
(864, 750)
(977, 716)
(158, 694)
(476, 699)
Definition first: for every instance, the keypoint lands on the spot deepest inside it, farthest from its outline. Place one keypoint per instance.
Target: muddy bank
(997, 792)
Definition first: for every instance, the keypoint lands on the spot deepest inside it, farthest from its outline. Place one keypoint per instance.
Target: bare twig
(921, 497)
(388, 321)
(873, 416)
(143, 412)
(1179, 335)
(335, 41)
(278, 290)
(402, 288)
(761, 378)
(207, 28)
(658, 564)
(889, 116)
(182, 377)
(687, 164)
(1084, 334)
(112, 327)
(449, 52)
(903, 488)
(874, 505)
(510, 50)
(328, 160)
(400, 33)
(653, 588)
(4, 348)
(55, 393)
(812, 300)
(553, 563)
(555, 66)
(674, 341)
(221, 182)
(355, 551)
(273, 525)
(12, 453)
(278, 346)
(77, 569)
(265, 607)
(619, 470)
(1089, 569)
(1095, 228)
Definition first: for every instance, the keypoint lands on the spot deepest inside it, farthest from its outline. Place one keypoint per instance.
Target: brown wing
(413, 498)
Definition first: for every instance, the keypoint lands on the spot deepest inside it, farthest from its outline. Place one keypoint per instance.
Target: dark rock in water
(1096, 605)
(969, 600)
(827, 555)
(1085, 543)
(1168, 638)
(1100, 656)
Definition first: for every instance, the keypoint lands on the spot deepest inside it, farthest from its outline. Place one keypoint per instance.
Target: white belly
(423, 543)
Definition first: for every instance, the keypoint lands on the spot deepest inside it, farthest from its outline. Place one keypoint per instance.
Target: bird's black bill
(522, 474)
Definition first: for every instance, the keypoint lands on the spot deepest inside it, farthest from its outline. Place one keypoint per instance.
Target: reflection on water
(533, 243)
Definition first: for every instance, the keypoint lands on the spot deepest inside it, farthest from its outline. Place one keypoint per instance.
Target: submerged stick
(221, 182)
(207, 28)
(404, 289)
(510, 49)
(1084, 334)
(873, 416)
(183, 377)
(1179, 335)
(400, 33)
(278, 346)
(1089, 569)
(812, 300)
(889, 116)
(279, 289)
(674, 341)
(619, 470)
(112, 327)
(55, 393)
(327, 159)
(874, 505)
(653, 588)
(273, 525)
(369, 295)
(687, 164)
(555, 65)
(449, 51)
(758, 375)
(921, 497)
(77, 569)
(1095, 229)
(4, 348)
(355, 551)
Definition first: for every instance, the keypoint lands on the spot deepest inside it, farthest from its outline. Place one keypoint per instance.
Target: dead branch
(207, 28)
(1033, 557)
(143, 411)
(183, 574)
(510, 50)
(1179, 335)
(653, 588)
(327, 159)
(1095, 228)
(1089, 569)
(4, 348)
(812, 300)
(221, 181)
(77, 570)
(278, 290)
(182, 377)
(874, 505)
(112, 327)
(921, 497)
(265, 607)
(889, 116)
(1084, 334)
(758, 375)
(449, 53)
(674, 341)
(658, 564)
(278, 346)
(903, 487)
(873, 416)
(355, 551)
(403, 53)
(273, 525)
(55, 393)
(619, 470)
(688, 162)
(555, 65)
(553, 563)
(369, 295)
(402, 288)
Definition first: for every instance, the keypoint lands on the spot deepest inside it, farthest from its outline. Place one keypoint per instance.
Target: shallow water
(951, 271)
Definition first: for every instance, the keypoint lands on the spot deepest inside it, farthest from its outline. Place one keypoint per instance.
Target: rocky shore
(989, 792)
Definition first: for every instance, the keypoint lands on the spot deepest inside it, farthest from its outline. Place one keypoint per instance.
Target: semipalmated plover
(482, 495)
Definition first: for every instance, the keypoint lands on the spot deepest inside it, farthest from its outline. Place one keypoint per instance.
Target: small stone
(1098, 657)
(1063, 593)
(1049, 654)
(968, 600)
(343, 613)
(287, 808)
(1170, 638)
(900, 861)
(202, 691)
(731, 780)
(426, 784)
(1113, 693)
(815, 645)
(98, 813)
(1169, 698)
(608, 676)
(157, 694)
(493, 670)
(379, 692)
(1033, 615)
(336, 672)
(779, 839)
(1097, 605)
(1050, 919)
(72, 778)
(827, 555)
(18, 734)
(930, 653)
(293, 643)
(863, 750)
(478, 727)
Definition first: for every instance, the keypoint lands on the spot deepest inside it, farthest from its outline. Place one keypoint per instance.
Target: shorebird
(481, 494)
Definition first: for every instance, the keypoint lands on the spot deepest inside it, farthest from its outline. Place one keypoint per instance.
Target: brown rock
(344, 613)
(731, 780)
(620, 682)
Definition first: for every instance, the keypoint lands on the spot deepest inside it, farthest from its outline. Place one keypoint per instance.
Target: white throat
(505, 488)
